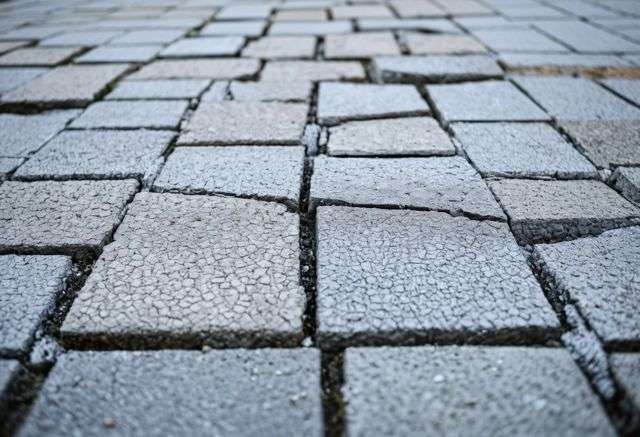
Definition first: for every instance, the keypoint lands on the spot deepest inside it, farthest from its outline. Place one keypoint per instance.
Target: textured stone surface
(106, 54)
(263, 172)
(423, 69)
(11, 45)
(447, 184)
(429, 44)
(627, 181)
(82, 38)
(194, 269)
(456, 391)
(137, 37)
(35, 56)
(204, 47)
(312, 70)
(198, 69)
(626, 367)
(279, 47)
(156, 114)
(157, 393)
(627, 88)
(518, 40)
(7, 165)
(565, 63)
(29, 286)
(584, 37)
(21, 135)
(158, 89)
(521, 150)
(250, 11)
(62, 216)
(310, 28)
(361, 11)
(267, 91)
(11, 78)
(397, 275)
(423, 24)
(544, 211)
(241, 28)
(360, 45)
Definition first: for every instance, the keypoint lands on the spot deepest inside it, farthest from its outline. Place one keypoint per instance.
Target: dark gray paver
(23, 134)
(310, 28)
(600, 276)
(457, 391)
(11, 78)
(360, 45)
(189, 270)
(422, 24)
(627, 88)
(137, 37)
(98, 154)
(433, 44)
(521, 150)
(245, 123)
(29, 286)
(342, 101)
(281, 47)
(518, 40)
(158, 89)
(106, 54)
(7, 165)
(8, 370)
(204, 47)
(626, 367)
(484, 101)
(399, 136)
(447, 184)
(83, 38)
(240, 28)
(424, 69)
(38, 56)
(266, 91)
(198, 69)
(397, 275)
(584, 37)
(63, 216)
(159, 393)
(156, 114)
(546, 211)
(627, 181)
(313, 70)
(252, 171)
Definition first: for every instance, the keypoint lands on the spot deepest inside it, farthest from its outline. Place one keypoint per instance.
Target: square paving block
(518, 40)
(11, 78)
(313, 71)
(204, 47)
(156, 114)
(432, 44)
(21, 135)
(360, 45)
(281, 47)
(106, 54)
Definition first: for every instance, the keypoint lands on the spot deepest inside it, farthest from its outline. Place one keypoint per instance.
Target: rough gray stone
(408, 276)
(158, 89)
(69, 216)
(193, 270)
(444, 184)
(399, 136)
(626, 367)
(11, 78)
(8, 370)
(584, 37)
(243, 12)
(315, 71)
(310, 28)
(38, 56)
(627, 88)
(627, 181)
(21, 135)
(430, 44)
(204, 47)
(547, 211)
(361, 11)
(8, 46)
(518, 40)
(245, 123)
(360, 45)
(106, 54)
(29, 286)
(343, 101)
(159, 393)
(301, 15)
(250, 171)
(434, 25)
(237, 28)
(268, 91)
(217, 92)
(424, 69)
(458, 391)
(417, 8)
(137, 37)
(464, 7)
(155, 114)
(84, 38)
(199, 69)
(7, 165)
(521, 150)
(565, 63)
(281, 47)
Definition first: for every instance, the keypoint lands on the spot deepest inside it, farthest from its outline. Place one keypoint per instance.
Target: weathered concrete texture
(446, 184)
(627, 88)
(245, 123)
(400, 136)
(360, 45)
(67, 216)
(425, 69)
(37, 56)
(71, 85)
(584, 37)
(429, 44)
(204, 47)
(21, 135)
(187, 270)
(626, 368)
(154, 114)
(7, 165)
(627, 181)
(11, 78)
(310, 28)
(518, 40)
(236, 28)
(343, 101)
(98, 155)
(258, 171)
(217, 92)
(484, 101)
(29, 286)
(198, 69)
(403, 276)
(106, 54)
(158, 89)
(269, 91)
(547, 211)
(280, 47)
(458, 391)
(159, 393)
(521, 150)
(313, 71)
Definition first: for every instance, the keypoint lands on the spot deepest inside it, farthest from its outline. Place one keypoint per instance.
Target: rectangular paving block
(11, 78)
(235, 28)
(7, 165)
(441, 184)
(406, 276)
(9, 369)
(547, 211)
(565, 63)
(360, 11)
(600, 276)
(425, 69)
(434, 44)
(319, 28)
(158, 89)
(417, 8)
(313, 71)
(469, 390)
(192, 270)
(626, 368)
(29, 287)
(69, 217)
(106, 54)
(249, 171)
(245, 123)
(584, 37)
(155, 114)
(148, 36)
(360, 45)
(21, 135)
(463, 7)
(627, 88)
(627, 181)
(243, 392)
(271, 91)
(8, 46)
(281, 47)
(81, 38)
(434, 25)
(301, 15)
(244, 12)
(204, 47)
(38, 56)
(518, 40)
(198, 69)
(525, 150)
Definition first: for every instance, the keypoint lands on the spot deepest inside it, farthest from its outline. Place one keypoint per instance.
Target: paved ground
(320, 217)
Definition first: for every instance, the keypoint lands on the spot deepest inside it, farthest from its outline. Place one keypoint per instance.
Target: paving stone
(401, 136)
(72, 85)
(141, 37)
(86, 39)
(37, 56)
(11, 78)
(435, 25)
(360, 11)
(106, 54)
(153, 114)
(241, 28)
(360, 45)
(562, 63)
(7, 165)
(158, 89)
(547, 211)
(243, 12)
(199, 69)
(455, 391)
(442, 184)
(245, 123)
(473, 23)
(464, 7)
(187, 270)
(417, 8)
(217, 92)
(98, 154)
(627, 88)
(586, 38)
(626, 367)
(274, 47)
(429, 44)
(21, 135)
(66, 216)
(484, 101)
(33, 32)
(407, 276)
(29, 286)
(301, 15)
(342, 101)
(12, 45)
(204, 47)
(313, 71)
(310, 28)
(518, 40)
(570, 98)
(445, 68)
(521, 150)
(627, 181)
(250, 171)
(155, 393)
(266, 91)
(606, 142)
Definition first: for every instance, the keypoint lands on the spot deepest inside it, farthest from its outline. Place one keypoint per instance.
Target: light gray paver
(38, 56)
(565, 63)
(194, 269)
(237, 28)
(243, 12)
(518, 40)
(627, 181)
(158, 89)
(12, 45)
(361, 11)
(281, 47)
(313, 71)
(627, 88)
(159, 393)
(424, 69)
(422, 24)
(360, 45)
(155, 114)
(21, 135)
(430, 44)
(29, 286)
(417, 8)
(198, 69)
(7, 165)
(626, 367)
(457, 391)
(106, 54)
(11, 78)
(8, 370)
(396, 275)
(204, 47)
(311, 28)
(301, 15)
(137, 37)
(266, 91)
(84, 38)
(584, 37)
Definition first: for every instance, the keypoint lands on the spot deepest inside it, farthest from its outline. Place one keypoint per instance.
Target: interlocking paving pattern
(319, 217)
